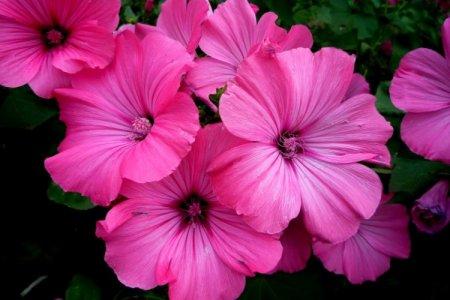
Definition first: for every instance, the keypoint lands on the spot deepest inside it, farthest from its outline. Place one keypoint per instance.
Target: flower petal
(92, 152)
(167, 143)
(285, 92)
(30, 13)
(387, 230)
(252, 106)
(358, 85)
(165, 61)
(181, 20)
(254, 180)
(48, 79)
(119, 82)
(313, 91)
(427, 134)
(21, 53)
(336, 198)
(352, 132)
(228, 34)
(72, 12)
(135, 231)
(421, 83)
(88, 46)
(366, 255)
(240, 246)
(207, 76)
(296, 248)
(197, 268)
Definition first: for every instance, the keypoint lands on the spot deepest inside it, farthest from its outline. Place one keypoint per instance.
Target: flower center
(431, 216)
(140, 128)
(290, 145)
(54, 36)
(194, 209)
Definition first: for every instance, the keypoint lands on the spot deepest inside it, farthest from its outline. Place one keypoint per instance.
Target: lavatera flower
(431, 212)
(43, 42)
(175, 232)
(421, 88)
(127, 121)
(307, 121)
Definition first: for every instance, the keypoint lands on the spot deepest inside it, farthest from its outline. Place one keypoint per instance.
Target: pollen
(290, 145)
(140, 128)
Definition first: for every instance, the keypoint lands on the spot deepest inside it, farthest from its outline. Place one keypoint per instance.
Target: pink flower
(366, 255)
(304, 139)
(421, 87)
(230, 35)
(296, 243)
(392, 2)
(181, 20)
(431, 212)
(42, 42)
(127, 121)
(176, 232)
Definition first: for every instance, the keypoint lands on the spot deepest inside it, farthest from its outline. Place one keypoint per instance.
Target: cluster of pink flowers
(282, 177)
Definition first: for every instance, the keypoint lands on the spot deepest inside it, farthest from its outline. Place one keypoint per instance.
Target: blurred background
(49, 249)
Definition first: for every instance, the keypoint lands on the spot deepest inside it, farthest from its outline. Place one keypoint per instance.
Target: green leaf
(72, 200)
(22, 109)
(384, 104)
(82, 288)
(365, 26)
(413, 176)
(281, 286)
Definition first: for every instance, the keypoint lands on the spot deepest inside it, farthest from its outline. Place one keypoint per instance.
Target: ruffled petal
(88, 46)
(228, 34)
(258, 183)
(181, 20)
(298, 36)
(352, 132)
(421, 83)
(296, 243)
(427, 134)
(207, 76)
(336, 198)
(92, 152)
(21, 53)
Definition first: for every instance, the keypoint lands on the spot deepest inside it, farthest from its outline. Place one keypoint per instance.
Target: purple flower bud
(431, 212)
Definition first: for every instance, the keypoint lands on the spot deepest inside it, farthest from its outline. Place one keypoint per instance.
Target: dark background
(42, 237)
